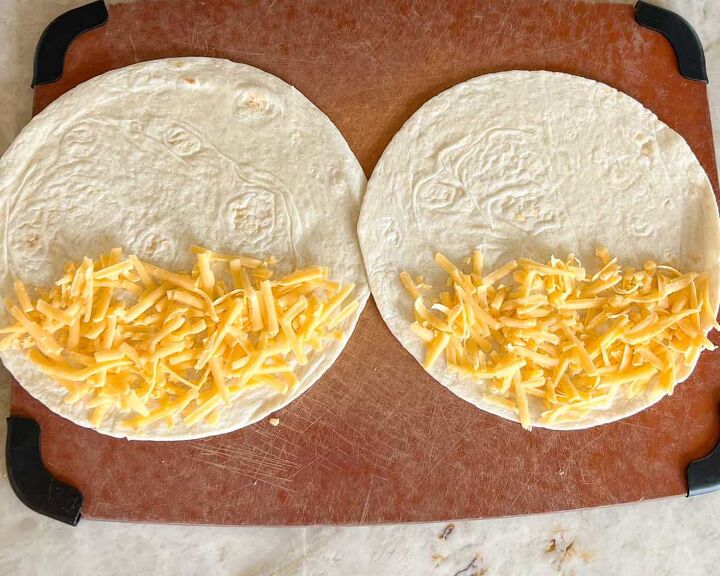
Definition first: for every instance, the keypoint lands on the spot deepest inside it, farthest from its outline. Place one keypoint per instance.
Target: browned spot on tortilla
(32, 240)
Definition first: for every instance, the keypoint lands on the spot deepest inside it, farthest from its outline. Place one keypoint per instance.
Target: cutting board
(377, 439)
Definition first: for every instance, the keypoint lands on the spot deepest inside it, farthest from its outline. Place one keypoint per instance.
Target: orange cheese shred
(550, 343)
(152, 346)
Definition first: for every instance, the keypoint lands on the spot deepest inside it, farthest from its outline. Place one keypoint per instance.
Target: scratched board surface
(376, 439)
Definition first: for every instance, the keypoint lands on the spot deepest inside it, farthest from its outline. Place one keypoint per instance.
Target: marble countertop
(677, 536)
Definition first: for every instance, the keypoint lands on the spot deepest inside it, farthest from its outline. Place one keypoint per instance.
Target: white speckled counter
(677, 536)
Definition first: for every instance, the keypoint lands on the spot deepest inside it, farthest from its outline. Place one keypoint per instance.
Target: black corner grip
(59, 34)
(682, 36)
(703, 476)
(30, 481)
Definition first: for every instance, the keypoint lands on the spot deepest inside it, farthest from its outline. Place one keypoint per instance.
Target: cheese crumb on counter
(554, 335)
(148, 345)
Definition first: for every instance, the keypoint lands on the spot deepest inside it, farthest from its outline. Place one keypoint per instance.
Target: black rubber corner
(59, 34)
(682, 36)
(703, 476)
(31, 482)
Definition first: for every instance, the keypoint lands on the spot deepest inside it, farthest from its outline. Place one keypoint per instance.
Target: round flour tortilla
(161, 155)
(531, 164)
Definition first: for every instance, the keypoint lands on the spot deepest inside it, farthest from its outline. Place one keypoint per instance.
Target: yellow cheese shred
(150, 346)
(549, 339)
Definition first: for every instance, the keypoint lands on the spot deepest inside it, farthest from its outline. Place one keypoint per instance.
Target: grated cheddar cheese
(151, 345)
(552, 334)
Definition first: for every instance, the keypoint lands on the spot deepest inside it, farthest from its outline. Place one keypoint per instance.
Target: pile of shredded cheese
(149, 344)
(550, 333)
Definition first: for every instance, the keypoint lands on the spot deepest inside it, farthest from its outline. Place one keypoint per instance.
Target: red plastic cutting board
(376, 439)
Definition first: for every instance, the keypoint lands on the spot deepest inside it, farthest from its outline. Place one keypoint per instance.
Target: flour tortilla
(530, 164)
(161, 155)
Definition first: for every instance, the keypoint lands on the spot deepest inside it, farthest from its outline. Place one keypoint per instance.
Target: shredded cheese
(552, 337)
(150, 345)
